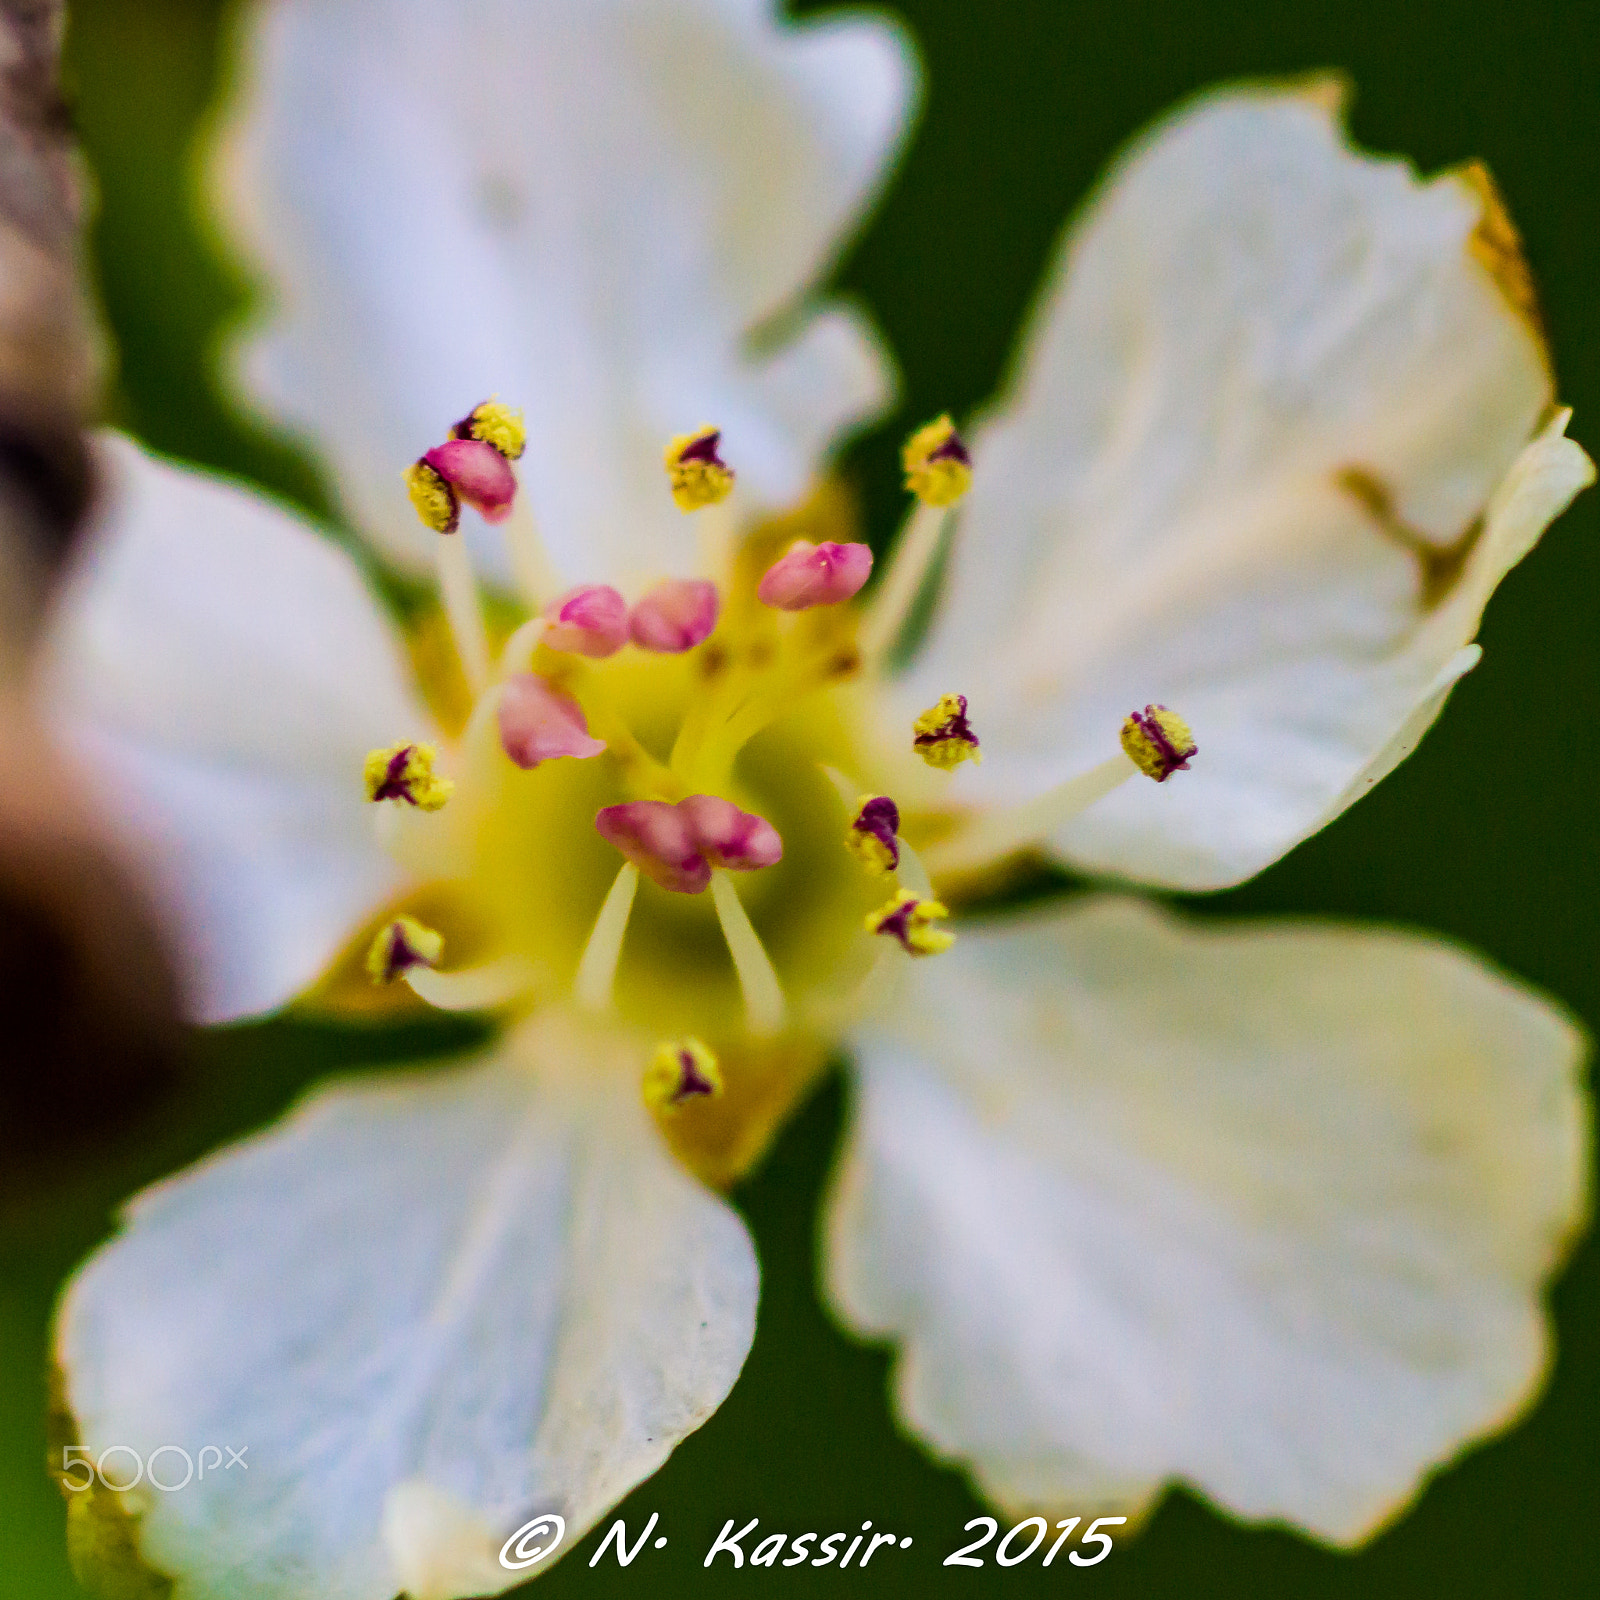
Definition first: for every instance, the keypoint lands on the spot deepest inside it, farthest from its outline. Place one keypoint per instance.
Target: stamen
(676, 846)
(674, 616)
(1159, 743)
(938, 468)
(909, 867)
(698, 475)
(942, 735)
(496, 424)
(815, 575)
(478, 474)
(871, 837)
(484, 988)
(401, 945)
(405, 772)
(910, 918)
(597, 969)
(681, 1070)
(1003, 830)
(591, 620)
(539, 723)
(764, 1005)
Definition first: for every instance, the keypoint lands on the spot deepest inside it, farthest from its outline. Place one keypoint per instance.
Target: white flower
(1266, 1210)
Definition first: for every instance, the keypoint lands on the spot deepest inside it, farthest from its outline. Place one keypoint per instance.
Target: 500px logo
(140, 1469)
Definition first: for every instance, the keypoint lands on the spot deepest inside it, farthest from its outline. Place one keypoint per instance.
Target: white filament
(472, 988)
(517, 656)
(530, 563)
(910, 562)
(764, 1005)
(998, 832)
(597, 971)
(459, 591)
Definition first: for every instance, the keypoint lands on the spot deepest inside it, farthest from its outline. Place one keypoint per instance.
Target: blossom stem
(459, 592)
(597, 971)
(912, 559)
(764, 1004)
(1004, 829)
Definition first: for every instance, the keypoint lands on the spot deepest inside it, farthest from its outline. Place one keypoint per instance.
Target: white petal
(222, 670)
(584, 206)
(1266, 1210)
(1246, 312)
(432, 1307)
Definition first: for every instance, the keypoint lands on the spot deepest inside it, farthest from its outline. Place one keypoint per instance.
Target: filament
(912, 559)
(597, 971)
(459, 591)
(997, 833)
(763, 996)
(472, 988)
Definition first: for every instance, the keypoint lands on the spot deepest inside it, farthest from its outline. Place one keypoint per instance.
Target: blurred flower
(90, 1031)
(1267, 1210)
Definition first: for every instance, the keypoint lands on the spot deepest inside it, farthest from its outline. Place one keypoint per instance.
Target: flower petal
(583, 207)
(1270, 387)
(435, 1304)
(222, 671)
(1265, 1210)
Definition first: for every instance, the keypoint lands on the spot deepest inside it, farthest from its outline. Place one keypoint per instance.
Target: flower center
(653, 812)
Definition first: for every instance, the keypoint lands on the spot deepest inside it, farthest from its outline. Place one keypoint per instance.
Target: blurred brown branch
(87, 1013)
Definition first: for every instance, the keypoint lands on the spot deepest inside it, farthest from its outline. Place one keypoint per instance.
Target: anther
(540, 723)
(938, 468)
(434, 499)
(401, 945)
(1158, 743)
(679, 1071)
(474, 471)
(405, 772)
(676, 846)
(698, 475)
(496, 424)
(871, 836)
(943, 737)
(587, 621)
(809, 575)
(674, 616)
(911, 919)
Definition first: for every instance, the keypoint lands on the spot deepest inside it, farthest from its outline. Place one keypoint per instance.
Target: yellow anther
(496, 424)
(400, 945)
(699, 476)
(910, 919)
(943, 737)
(680, 1070)
(1158, 742)
(434, 499)
(405, 772)
(938, 468)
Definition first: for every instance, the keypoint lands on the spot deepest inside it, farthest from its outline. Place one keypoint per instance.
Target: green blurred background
(1487, 834)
